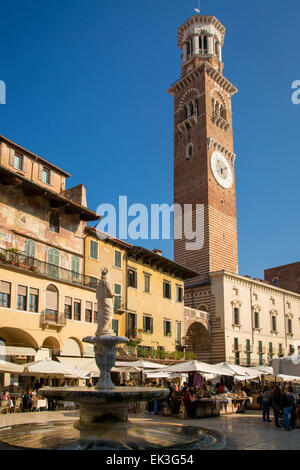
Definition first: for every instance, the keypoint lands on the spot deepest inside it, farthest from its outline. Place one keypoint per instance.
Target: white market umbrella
(264, 370)
(289, 365)
(238, 370)
(197, 366)
(141, 364)
(9, 367)
(51, 368)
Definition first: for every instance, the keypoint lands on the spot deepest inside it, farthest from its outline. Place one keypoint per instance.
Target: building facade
(50, 261)
(148, 292)
(252, 321)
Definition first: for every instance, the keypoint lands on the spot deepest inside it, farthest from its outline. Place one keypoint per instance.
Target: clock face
(221, 170)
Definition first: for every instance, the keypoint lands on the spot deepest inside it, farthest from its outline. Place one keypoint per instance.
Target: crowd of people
(285, 403)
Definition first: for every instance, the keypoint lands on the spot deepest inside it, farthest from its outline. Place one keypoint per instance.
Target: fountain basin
(99, 406)
(62, 435)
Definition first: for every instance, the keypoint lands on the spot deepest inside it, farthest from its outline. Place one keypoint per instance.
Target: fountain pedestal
(105, 355)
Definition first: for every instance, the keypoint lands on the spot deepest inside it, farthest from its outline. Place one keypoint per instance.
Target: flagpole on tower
(197, 9)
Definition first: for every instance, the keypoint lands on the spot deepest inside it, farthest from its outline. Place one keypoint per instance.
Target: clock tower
(204, 173)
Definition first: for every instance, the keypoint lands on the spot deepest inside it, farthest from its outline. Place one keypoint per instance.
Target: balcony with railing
(52, 318)
(27, 263)
(197, 314)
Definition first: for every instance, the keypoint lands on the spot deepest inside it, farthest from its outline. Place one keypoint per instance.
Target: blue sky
(86, 88)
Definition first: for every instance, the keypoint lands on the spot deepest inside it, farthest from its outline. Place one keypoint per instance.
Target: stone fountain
(103, 423)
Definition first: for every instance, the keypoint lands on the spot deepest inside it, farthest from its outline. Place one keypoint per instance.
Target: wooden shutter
(51, 178)
(12, 157)
(75, 264)
(22, 290)
(41, 172)
(53, 256)
(5, 287)
(30, 248)
(165, 328)
(24, 163)
(51, 300)
(34, 291)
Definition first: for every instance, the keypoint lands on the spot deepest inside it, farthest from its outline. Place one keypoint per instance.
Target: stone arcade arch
(198, 341)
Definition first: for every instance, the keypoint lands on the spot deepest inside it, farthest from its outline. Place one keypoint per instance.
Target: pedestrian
(266, 402)
(276, 404)
(287, 403)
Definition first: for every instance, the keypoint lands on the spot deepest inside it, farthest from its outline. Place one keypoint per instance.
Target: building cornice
(213, 143)
(211, 71)
(258, 284)
(200, 20)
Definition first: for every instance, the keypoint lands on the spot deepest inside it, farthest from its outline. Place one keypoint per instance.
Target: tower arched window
(54, 221)
(30, 248)
(189, 151)
(223, 112)
(188, 48)
(203, 44)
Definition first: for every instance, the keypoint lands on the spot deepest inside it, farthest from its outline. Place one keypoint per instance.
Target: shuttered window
(54, 221)
(148, 324)
(132, 278)
(75, 266)
(33, 300)
(22, 298)
(68, 308)
(93, 249)
(118, 259)
(115, 326)
(5, 294)
(30, 248)
(53, 263)
(77, 309)
(167, 290)
(95, 313)
(167, 328)
(89, 312)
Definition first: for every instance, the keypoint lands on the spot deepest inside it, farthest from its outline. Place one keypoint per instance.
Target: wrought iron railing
(23, 261)
(51, 317)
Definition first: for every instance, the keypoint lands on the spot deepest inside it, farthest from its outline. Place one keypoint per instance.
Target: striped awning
(17, 351)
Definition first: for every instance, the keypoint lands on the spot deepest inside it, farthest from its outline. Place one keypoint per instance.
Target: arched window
(189, 151)
(51, 302)
(54, 221)
(30, 248)
(53, 263)
(75, 267)
(275, 281)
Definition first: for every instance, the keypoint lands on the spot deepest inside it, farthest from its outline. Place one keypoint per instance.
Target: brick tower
(203, 147)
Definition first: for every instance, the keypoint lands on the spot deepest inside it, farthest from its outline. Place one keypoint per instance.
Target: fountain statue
(103, 422)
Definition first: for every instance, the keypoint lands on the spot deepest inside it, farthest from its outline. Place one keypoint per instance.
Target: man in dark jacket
(276, 404)
(287, 403)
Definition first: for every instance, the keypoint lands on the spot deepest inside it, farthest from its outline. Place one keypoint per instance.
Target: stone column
(219, 49)
(196, 44)
(210, 45)
(184, 51)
